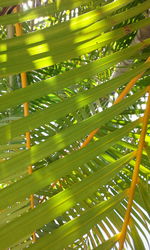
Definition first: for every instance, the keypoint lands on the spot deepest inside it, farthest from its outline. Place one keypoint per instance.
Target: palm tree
(74, 159)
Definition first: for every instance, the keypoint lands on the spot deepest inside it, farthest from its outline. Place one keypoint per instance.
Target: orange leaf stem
(89, 138)
(19, 32)
(135, 172)
(120, 97)
(130, 85)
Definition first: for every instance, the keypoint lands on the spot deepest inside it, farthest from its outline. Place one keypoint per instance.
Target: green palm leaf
(80, 194)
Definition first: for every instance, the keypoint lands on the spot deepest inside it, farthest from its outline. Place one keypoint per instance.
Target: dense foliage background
(79, 56)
